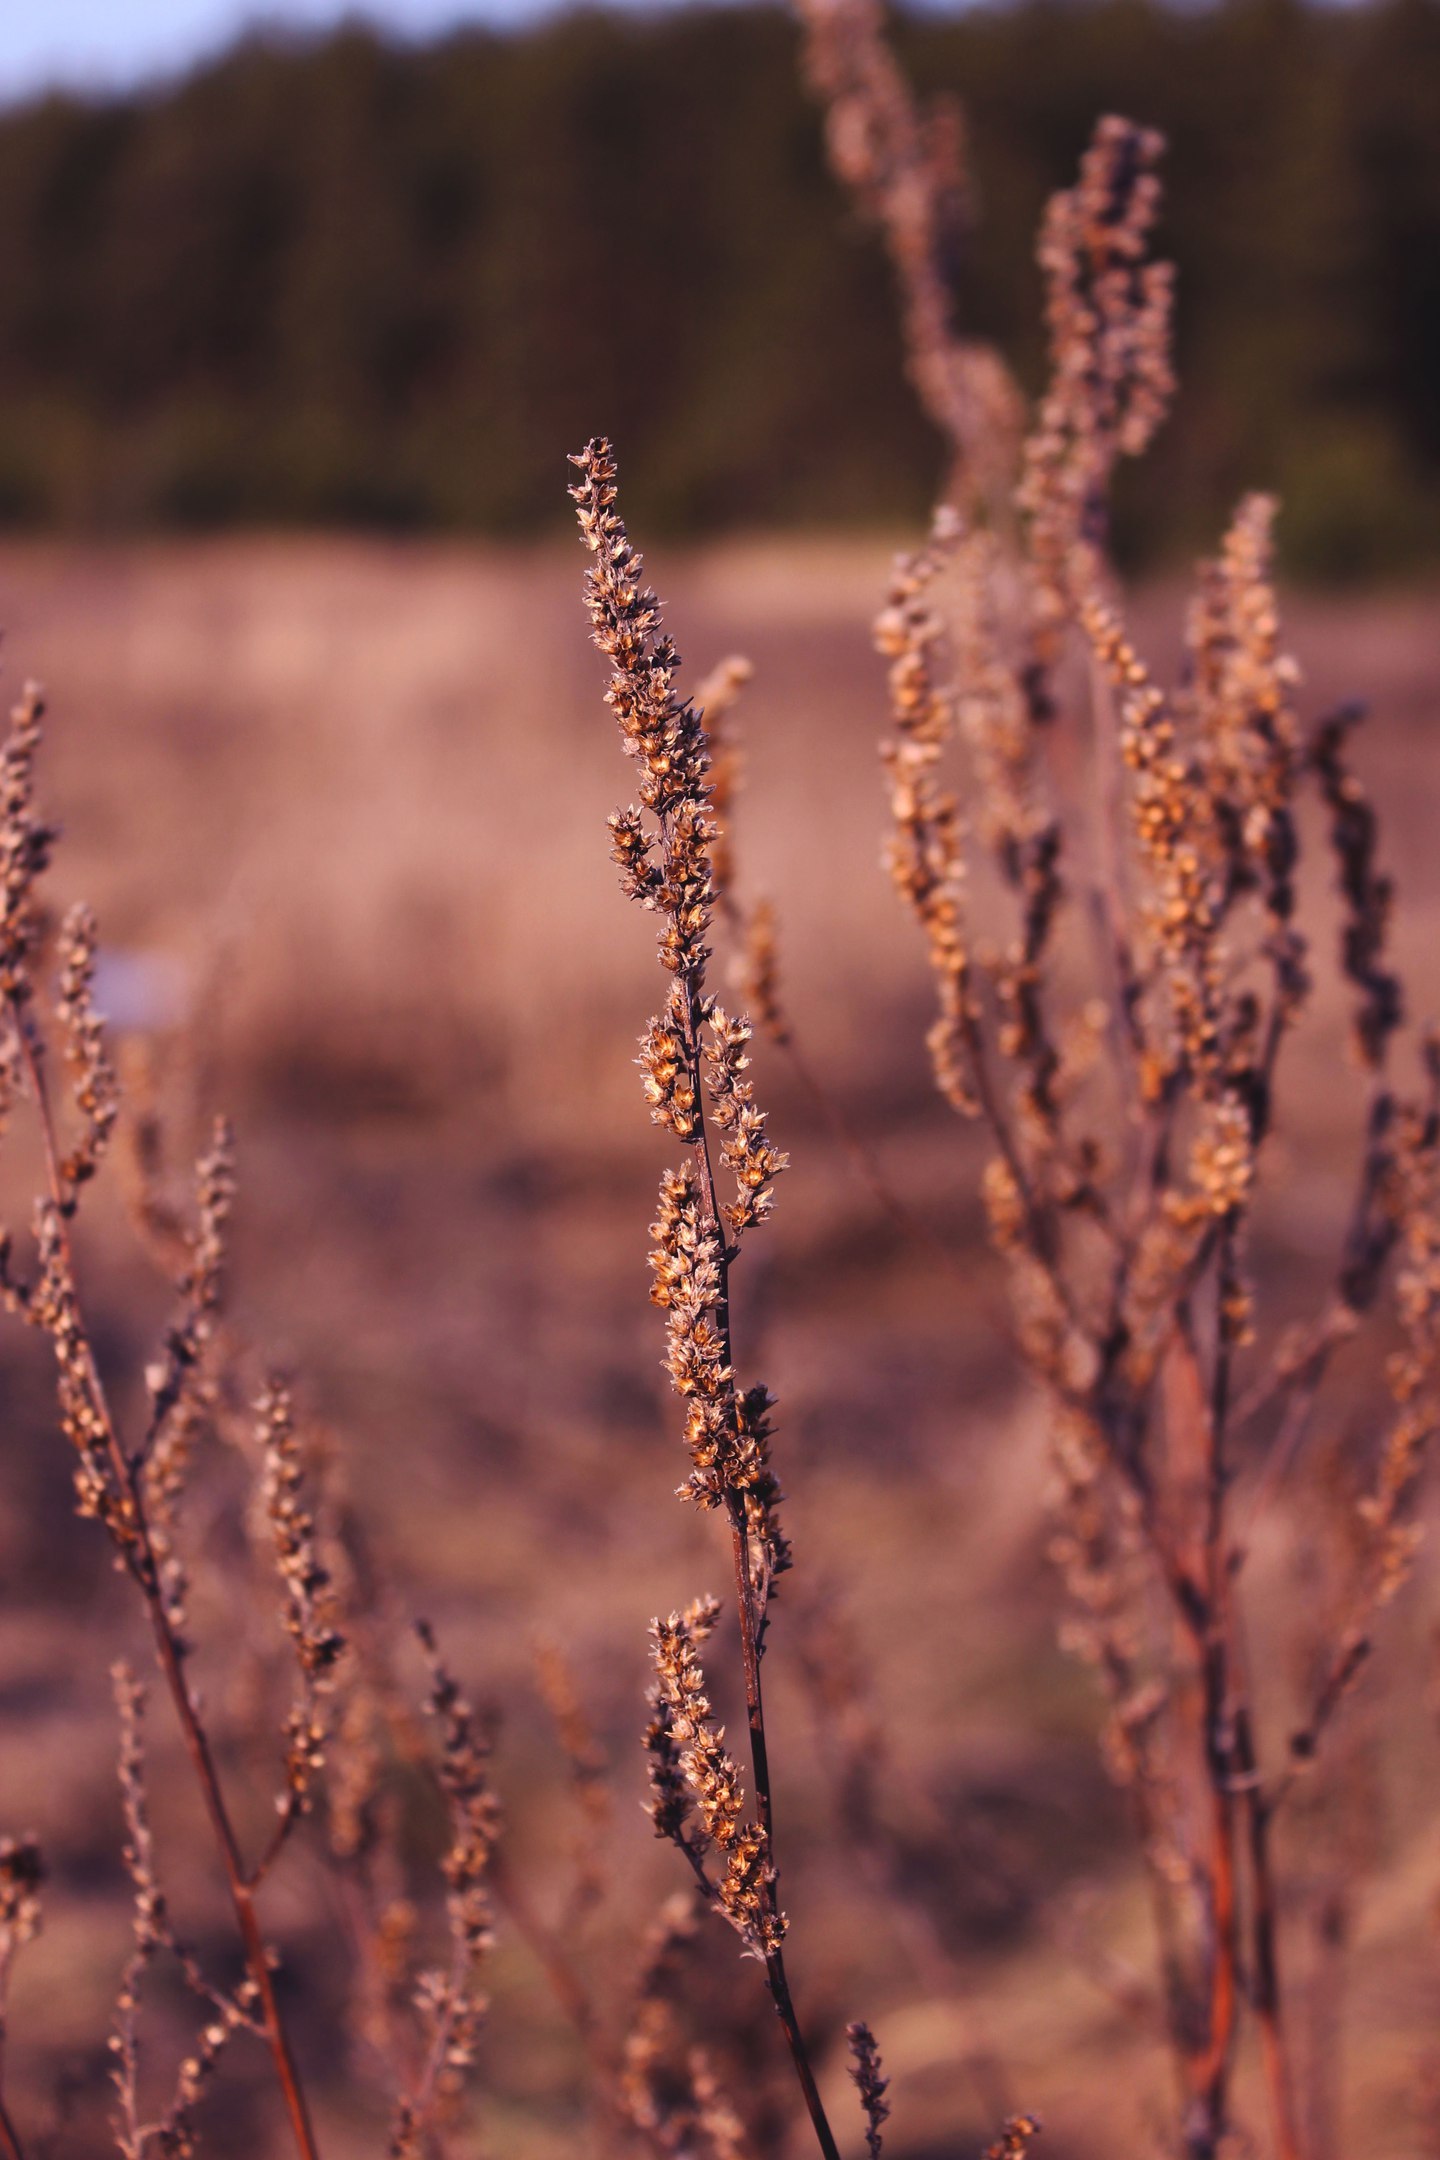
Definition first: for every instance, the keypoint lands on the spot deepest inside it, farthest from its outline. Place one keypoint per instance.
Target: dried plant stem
(749, 1607)
(775, 1973)
(144, 1570)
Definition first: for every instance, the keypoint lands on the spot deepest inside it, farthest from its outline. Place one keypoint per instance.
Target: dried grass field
(340, 808)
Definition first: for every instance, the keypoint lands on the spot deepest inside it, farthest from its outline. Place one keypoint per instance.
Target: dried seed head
(870, 2082)
(1108, 313)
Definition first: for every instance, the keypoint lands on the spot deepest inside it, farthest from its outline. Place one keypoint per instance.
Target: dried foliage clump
(1121, 1044)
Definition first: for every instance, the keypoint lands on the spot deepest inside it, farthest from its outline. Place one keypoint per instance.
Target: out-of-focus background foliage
(345, 281)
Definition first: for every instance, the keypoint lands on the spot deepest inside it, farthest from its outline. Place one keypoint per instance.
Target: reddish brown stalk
(752, 1624)
(144, 1571)
(760, 1764)
(1265, 1964)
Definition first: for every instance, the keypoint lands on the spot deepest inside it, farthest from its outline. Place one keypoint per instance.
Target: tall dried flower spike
(97, 1091)
(1108, 314)
(693, 1054)
(310, 1603)
(925, 854)
(25, 843)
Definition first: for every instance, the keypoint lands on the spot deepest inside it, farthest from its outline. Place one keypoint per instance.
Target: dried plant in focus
(693, 1066)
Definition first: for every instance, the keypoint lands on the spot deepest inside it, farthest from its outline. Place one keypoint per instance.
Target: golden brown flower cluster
(310, 1604)
(924, 853)
(695, 1064)
(1108, 316)
(25, 843)
(697, 1797)
(96, 1089)
(692, 1052)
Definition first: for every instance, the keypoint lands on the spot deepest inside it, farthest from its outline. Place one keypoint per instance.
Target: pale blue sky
(101, 43)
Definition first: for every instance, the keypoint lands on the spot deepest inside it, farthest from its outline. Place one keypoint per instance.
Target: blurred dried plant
(1122, 1047)
(135, 1484)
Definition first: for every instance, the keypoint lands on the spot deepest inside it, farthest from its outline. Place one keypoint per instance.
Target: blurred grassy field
(341, 809)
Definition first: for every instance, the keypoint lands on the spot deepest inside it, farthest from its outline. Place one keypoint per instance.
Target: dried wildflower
(97, 1091)
(54, 1306)
(746, 1150)
(1108, 315)
(870, 2083)
(310, 1604)
(652, 2098)
(924, 855)
(25, 843)
(170, 1378)
(694, 1236)
(669, 2091)
(449, 2001)
(1242, 685)
(1127, 1254)
(687, 1739)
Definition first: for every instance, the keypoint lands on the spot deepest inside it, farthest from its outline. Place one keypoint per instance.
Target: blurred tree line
(348, 281)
